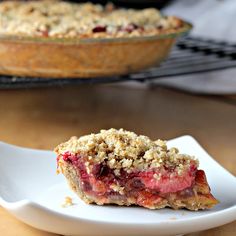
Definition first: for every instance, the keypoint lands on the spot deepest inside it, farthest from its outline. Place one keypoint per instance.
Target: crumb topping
(60, 19)
(122, 149)
(67, 202)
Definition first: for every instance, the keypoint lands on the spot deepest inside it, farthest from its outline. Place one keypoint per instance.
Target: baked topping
(126, 150)
(52, 18)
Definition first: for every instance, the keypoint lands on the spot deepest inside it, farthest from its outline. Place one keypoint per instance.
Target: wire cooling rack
(190, 55)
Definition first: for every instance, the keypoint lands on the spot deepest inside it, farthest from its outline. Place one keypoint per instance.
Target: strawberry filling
(168, 181)
(145, 188)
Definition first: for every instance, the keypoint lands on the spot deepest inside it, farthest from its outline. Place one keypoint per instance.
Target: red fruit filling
(145, 188)
(99, 29)
(130, 28)
(44, 33)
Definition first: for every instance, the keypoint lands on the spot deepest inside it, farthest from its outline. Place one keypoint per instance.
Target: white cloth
(214, 19)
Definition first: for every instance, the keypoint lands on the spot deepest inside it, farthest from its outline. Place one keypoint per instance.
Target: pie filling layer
(145, 188)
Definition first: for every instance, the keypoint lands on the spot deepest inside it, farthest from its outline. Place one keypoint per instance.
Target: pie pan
(84, 58)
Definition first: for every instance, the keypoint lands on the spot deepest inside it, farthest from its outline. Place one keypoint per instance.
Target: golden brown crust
(80, 60)
(60, 19)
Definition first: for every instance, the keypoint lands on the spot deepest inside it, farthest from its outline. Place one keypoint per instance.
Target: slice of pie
(120, 167)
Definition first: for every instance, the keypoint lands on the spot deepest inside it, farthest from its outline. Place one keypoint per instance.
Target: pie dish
(61, 39)
(120, 167)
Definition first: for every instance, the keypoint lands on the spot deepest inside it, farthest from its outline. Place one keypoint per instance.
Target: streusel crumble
(121, 167)
(60, 19)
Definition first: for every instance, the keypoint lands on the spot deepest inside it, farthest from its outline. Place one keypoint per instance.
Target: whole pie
(60, 19)
(123, 168)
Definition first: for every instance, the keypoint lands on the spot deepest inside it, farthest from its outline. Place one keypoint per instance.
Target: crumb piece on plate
(67, 202)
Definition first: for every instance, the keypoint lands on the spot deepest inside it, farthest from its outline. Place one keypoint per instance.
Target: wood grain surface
(42, 118)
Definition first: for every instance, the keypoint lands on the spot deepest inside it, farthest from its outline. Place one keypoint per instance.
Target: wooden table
(42, 118)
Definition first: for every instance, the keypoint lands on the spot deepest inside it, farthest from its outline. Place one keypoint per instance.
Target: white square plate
(31, 191)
